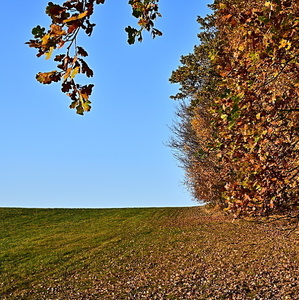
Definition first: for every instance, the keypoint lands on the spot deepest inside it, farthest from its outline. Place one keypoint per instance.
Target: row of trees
(237, 138)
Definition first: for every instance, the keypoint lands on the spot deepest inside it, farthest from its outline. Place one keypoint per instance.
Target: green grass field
(143, 253)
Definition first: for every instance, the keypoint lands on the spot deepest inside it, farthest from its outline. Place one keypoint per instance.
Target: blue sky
(114, 156)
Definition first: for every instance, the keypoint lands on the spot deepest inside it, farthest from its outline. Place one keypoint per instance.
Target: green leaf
(73, 104)
(79, 109)
(86, 105)
(132, 33)
(264, 19)
(38, 31)
(136, 13)
(223, 116)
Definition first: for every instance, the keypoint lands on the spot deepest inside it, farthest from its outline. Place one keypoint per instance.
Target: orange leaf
(56, 29)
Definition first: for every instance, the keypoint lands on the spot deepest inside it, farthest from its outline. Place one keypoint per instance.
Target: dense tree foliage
(258, 124)
(253, 108)
(67, 20)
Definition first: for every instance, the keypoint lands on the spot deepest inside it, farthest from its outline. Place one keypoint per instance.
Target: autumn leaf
(56, 29)
(48, 77)
(49, 53)
(59, 57)
(142, 22)
(285, 44)
(74, 72)
(85, 68)
(81, 51)
(66, 86)
(72, 28)
(67, 73)
(54, 9)
(45, 39)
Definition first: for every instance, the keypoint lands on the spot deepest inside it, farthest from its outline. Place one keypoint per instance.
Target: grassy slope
(144, 253)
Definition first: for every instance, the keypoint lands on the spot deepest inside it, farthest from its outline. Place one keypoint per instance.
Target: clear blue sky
(115, 155)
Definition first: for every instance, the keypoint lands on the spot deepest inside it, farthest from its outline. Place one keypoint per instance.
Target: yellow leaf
(241, 47)
(77, 17)
(74, 72)
(45, 39)
(285, 44)
(49, 53)
(67, 73)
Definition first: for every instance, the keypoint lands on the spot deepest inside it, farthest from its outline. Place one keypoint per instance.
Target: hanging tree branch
(67, 20)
